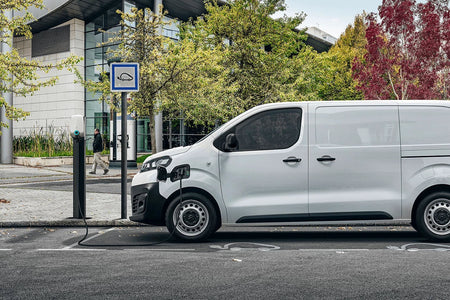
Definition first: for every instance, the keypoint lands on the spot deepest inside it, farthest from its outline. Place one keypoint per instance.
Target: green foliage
(49, 142)
(141, 158)
(43, 143)
(328, 75)
(17, 74)
(231, 77)
(43, 154)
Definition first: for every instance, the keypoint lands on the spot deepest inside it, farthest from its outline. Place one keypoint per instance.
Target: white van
(306, 162)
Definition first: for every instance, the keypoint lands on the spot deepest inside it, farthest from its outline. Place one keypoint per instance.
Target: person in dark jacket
(98, 148)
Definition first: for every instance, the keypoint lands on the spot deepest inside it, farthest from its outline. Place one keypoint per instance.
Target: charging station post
(79, 178)
(77, 131)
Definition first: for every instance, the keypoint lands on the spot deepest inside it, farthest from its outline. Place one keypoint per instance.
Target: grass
(43, 154)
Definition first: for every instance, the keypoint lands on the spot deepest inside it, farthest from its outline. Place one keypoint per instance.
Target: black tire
(433, 217)
(194, 219)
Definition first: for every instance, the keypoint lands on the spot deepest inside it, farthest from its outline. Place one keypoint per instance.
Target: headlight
(153, 163)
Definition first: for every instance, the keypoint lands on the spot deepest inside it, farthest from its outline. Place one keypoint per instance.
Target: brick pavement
(28, 206)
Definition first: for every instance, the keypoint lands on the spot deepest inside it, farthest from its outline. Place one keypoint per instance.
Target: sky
(331, 16)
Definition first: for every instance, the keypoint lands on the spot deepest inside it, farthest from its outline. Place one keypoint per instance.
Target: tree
(340, 84)
(328, 75)
(140, 41)
(19, 75)
(248, 57)
(408, 52)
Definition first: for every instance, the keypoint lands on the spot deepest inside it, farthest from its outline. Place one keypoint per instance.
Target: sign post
(124, 79)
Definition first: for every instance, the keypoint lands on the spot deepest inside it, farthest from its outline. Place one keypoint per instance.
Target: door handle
(326, 158)
(292, 160)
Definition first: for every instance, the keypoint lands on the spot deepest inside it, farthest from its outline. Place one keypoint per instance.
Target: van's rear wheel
(433, 216)
(193, 219)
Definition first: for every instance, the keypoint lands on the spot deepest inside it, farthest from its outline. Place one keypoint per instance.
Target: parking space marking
(245, 246)
(91, 238)
(167, 250)
(335, 250)
(5, 249)
(69, 249)
(421, 247)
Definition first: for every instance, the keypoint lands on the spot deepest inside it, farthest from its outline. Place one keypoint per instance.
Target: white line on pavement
(92, 237)
(71, 249)
(156, 249)
(335, 250)
(5, 249)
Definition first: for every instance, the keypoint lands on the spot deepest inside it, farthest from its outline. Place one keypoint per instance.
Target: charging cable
(82, 243)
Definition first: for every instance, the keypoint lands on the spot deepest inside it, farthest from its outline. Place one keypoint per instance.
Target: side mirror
(231, 143)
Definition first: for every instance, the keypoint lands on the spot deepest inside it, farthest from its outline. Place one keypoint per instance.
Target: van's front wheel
(193, 219)
(433, 216)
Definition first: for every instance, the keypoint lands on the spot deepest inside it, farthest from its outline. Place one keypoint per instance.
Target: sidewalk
(24, 206)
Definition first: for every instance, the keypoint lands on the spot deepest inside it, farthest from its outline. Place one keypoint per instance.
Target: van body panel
(365, 175)
(425, 149)
(271, 186)
(204, 174)
(419, 174)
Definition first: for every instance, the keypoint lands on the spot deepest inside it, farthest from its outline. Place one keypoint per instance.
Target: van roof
(367, 102)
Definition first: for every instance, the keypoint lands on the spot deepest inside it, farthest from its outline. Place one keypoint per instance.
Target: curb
(128, 223)
(72, 223)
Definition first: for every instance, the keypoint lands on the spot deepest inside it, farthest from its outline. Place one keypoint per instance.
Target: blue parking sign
(124, 77)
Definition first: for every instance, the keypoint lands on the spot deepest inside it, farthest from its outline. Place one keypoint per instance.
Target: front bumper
(147, 204)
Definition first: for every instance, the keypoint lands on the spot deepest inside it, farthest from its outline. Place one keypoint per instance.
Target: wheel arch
(425, 193)
(198, 191)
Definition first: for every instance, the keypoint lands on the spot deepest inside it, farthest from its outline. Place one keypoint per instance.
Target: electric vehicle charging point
(178, 174)
(77, 129)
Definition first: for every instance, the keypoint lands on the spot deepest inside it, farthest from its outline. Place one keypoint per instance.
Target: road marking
(5, 249)
(245, 246)
(71, 249)
(168, 250)
(92, 237)
(419, 247)
(334, 250)
(63, 249)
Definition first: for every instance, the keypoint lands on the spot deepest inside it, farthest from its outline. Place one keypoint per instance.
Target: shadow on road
(311, 239)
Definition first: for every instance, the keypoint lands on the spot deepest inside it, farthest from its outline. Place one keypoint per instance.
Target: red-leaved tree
(408, 52)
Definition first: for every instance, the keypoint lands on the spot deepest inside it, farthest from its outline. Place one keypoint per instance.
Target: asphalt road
(236, 263)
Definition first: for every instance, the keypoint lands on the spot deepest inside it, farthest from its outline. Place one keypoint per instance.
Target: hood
(169, 152)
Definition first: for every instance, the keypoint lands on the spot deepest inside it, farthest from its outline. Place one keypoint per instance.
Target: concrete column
(158, 117)
(6, 149)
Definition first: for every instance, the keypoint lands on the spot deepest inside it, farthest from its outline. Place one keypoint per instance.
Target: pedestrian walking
(98, 148)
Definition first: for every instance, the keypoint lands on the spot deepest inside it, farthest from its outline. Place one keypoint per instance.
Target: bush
(46, 143)
(141, 159)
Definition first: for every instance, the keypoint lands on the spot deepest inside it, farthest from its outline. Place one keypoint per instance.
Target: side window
(269, 130)
(356, 126)
(424, 125)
